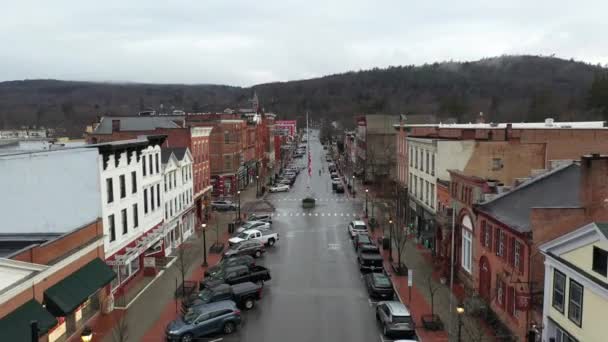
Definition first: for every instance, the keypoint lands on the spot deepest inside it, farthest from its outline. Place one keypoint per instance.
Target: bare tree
(399, 236)
(120, 332)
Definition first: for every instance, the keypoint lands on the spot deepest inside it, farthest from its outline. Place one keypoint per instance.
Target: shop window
(134, 266)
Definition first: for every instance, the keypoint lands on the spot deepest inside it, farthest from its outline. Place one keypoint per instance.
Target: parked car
(356, 227)
(379, 285)
(237, 275)
(339, 188)
(223, 205)
(395, 320)
(254, 248)
(362, 240)
(252, 225)
(279, 188)
(241, 260)
(244, 295)
(211, 318)
(260, 217)
(334, 184)
(369, 258)
(285, 181)
(267, 237)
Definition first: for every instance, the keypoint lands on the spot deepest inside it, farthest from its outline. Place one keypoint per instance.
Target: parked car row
(235, 283)
(392, 316)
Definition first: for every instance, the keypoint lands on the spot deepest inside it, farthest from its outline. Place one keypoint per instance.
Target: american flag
(309, 165)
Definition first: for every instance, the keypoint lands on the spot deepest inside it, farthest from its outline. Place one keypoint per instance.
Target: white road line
(309, 214)
(322, 214)
(316, 214)
(290, 214)
(341, 214)
(297, 214)
(335, 214)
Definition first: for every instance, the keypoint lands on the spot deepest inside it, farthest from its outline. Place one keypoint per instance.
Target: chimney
(508, 132)
(115, 125)
(594, 188)
(480, 118)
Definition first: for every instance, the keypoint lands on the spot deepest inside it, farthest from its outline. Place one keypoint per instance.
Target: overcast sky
(245, 42)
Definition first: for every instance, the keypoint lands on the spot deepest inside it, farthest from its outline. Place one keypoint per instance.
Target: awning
(65, 296)
(16, 325)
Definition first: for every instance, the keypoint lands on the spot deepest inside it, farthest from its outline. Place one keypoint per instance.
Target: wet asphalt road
(316, 292)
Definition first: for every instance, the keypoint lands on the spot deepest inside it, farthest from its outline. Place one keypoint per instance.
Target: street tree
(120, 332)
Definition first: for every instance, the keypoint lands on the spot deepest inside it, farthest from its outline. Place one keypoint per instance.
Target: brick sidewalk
(147, 317)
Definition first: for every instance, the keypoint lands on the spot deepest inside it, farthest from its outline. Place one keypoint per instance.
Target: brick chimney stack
(115, 125)
(594, 187)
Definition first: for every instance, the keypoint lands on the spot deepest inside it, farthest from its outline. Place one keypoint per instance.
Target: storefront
(423, 222)
(224, 185)
(127, 262)
(77, 298)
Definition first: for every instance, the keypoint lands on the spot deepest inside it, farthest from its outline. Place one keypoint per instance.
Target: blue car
(207, 319)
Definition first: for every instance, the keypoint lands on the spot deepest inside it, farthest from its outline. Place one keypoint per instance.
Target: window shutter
(522, 251)
(496, 240)
(512, 251)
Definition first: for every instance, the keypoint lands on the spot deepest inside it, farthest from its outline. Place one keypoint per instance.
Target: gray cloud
(244, 42)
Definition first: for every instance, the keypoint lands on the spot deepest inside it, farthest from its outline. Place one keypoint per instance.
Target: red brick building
(226, 155)
(506, 227)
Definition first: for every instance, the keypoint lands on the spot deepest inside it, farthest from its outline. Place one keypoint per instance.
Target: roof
(14, 242)
(165, 153)
(358, 223)
(16, 325)
(558, 188)
(134, 123)
(14, 271)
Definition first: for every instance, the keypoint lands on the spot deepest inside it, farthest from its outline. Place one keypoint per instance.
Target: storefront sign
(149, 262)
(522, 301)
(57, 332)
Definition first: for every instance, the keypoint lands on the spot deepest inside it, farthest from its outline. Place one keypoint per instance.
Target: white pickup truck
(267, 237)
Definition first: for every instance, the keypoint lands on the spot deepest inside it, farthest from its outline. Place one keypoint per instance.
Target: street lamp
(354, 192)
(460, 311)
(238, 193)
(204, 225)
(390, 240)
(366, 191)
(87, 334)
(257, 185)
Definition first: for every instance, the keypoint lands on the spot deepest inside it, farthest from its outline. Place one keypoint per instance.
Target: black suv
(253, 248)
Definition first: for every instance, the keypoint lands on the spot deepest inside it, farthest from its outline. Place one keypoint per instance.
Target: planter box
(431, 322)
(400, 270)
(216, 248)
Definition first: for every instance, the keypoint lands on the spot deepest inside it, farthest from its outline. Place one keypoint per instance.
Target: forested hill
(508, 88)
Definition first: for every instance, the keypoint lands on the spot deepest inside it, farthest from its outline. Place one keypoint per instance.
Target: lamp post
(354, 192)
(390, 240)
(34, 331)
(257, 185)
(238, 193)
(460, 311)
(87, 334)
(204, 225)
(366, 191)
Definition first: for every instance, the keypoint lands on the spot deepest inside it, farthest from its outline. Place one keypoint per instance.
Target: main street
(316, 292)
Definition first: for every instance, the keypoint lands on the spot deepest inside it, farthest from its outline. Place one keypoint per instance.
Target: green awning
(64, 297)
(16, 325)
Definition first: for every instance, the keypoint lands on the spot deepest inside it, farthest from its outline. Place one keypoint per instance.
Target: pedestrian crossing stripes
(314, 214)
(336, 199)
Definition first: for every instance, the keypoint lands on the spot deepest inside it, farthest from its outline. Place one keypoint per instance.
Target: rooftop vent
(549, 122)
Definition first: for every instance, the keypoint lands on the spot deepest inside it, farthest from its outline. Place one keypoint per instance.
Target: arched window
(467, 243)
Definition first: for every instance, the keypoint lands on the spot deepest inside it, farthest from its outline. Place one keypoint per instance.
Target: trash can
(386, 243)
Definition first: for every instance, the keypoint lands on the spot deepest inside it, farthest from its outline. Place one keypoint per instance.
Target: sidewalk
(419, 261)
(146, 318)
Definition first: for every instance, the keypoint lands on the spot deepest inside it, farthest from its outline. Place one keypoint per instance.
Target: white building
(131, 197)
(178, 205)
(575, 300)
